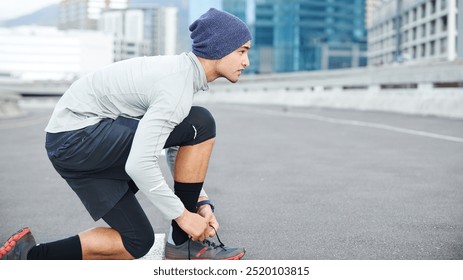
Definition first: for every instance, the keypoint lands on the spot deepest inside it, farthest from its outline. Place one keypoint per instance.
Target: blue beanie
(216, 34)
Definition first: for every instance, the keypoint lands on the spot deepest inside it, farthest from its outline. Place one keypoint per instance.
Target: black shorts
(92, 159)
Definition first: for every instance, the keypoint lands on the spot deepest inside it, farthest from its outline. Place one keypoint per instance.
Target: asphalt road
(288, 183)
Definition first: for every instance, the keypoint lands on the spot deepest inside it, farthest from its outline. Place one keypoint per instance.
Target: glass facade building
(237, 8)
(301, 35)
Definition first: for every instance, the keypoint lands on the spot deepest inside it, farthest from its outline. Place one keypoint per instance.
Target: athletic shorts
(92, 159)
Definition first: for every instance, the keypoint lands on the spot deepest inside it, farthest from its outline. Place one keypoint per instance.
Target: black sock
(65, 249)
(188, 194)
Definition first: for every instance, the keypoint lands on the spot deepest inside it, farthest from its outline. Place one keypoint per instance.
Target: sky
(12, 9)
(200, 7)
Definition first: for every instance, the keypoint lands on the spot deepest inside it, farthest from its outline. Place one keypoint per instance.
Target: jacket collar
(200, 81)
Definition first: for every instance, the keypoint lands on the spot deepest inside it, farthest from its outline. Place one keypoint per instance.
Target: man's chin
(234, 80)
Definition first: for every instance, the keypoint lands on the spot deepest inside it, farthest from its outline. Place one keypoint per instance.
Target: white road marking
(353, 123)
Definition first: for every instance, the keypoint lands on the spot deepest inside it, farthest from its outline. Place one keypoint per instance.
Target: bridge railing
(425, 89)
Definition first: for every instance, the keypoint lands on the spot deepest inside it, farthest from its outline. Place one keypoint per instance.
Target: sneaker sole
(237, 257)
(12, 241)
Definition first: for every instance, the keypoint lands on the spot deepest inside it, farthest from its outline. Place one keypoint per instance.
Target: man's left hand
(205, 211)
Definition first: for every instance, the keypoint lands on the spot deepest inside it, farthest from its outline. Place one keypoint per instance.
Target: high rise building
(182, 34)
(244, 10)
(85, 14)
(141, 31)
(416, 31)
(371, 6)
(237, 8)
(309, 35)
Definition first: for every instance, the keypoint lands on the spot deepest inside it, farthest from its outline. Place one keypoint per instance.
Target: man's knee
(139, 246)
(203, 123)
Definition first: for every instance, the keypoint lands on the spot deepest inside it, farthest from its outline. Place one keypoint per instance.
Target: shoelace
(208, 243)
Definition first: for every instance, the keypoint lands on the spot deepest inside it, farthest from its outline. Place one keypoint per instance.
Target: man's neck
(209, 68)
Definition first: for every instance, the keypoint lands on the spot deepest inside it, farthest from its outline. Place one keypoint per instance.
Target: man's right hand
(194, 225)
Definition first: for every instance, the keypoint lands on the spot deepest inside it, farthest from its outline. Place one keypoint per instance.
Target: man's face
(231, 65)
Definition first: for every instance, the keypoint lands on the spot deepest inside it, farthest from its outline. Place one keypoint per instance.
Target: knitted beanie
(217, 33)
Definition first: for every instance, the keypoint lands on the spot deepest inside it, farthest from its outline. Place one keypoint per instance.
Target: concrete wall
(9, 105)
(424, 89)
(430, 90)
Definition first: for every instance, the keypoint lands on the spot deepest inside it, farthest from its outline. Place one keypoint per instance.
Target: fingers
(199, 228)
(206, 212)
(213, 227)
(194, 225)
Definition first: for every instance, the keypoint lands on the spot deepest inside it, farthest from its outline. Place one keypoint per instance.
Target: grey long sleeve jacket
(158, 89)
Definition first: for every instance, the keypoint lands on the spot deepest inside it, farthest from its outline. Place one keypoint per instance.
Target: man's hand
(194, 225)
(206, 212)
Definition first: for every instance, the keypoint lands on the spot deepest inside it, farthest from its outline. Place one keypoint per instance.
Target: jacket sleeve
(165, 112)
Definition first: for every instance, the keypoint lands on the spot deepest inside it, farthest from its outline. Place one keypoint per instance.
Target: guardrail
(9, 106)
(424, 89)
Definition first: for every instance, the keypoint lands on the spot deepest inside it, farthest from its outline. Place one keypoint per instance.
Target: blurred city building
(415, 31)
(85, 14)
(371, 6)
(139, 28)
(237, 8)
(181, 32)
(303, 35)
(141, 31)
(46, 53)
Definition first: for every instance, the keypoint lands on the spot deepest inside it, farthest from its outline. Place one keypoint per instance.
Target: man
(105, 137)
